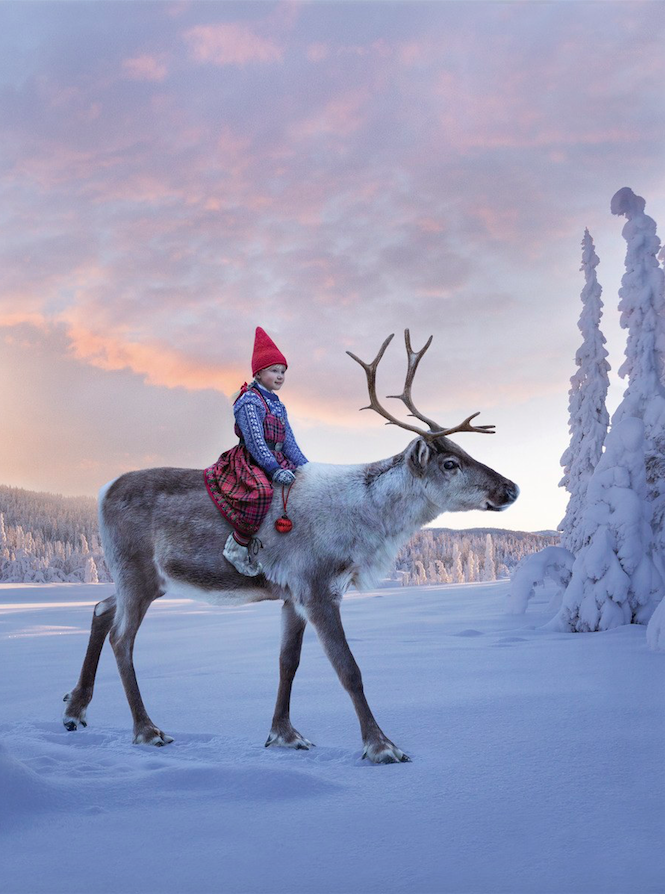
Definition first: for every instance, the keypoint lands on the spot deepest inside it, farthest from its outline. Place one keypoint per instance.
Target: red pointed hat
(266, 352)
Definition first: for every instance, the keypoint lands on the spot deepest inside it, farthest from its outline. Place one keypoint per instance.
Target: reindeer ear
(419, 456)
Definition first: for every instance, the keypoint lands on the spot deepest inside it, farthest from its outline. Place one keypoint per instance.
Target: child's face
(272, 377)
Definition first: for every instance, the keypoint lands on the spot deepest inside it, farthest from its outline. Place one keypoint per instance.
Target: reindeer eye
(450, 464)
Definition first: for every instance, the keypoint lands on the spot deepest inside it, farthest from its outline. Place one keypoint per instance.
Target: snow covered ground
(537, 757)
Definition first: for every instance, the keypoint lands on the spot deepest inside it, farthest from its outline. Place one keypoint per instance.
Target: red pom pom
(283, 525)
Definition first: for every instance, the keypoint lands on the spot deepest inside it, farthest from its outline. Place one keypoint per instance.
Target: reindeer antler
(413, 358)
(370, 370)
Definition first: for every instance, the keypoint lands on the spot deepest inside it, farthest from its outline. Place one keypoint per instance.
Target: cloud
(317, 52)
(231, 43)
(157, 363)
(79, 426)
(340, 117)
(11, 315)
(145, 68)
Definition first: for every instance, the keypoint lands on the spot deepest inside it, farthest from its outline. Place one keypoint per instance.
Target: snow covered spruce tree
(642, 309)
(588, 421)
(588, 417)
(615, 579)
(471, 567)
(458, 570)
(643, 295)
(489, 565)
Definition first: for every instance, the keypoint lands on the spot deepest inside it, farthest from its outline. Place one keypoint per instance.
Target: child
(241, 481)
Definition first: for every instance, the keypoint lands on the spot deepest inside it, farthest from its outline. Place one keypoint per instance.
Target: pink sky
(174, 174)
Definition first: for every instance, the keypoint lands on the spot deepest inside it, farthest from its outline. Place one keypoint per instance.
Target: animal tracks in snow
(44, 764)
(501, 641)
(510, 640)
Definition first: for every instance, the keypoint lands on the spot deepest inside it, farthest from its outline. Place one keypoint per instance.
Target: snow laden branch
(552, 563)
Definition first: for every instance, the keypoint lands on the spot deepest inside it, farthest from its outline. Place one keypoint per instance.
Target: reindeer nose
(512, 492)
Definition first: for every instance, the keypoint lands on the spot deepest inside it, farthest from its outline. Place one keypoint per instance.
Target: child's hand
(283, 476)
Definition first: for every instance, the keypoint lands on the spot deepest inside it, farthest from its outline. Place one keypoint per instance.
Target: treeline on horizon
(49, 538)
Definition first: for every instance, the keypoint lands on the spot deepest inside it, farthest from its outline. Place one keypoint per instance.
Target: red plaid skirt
(239, 488)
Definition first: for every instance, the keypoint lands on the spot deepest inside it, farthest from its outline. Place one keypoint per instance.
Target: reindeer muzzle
(510, 493)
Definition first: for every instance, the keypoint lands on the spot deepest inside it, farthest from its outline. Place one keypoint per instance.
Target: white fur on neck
(360, 526)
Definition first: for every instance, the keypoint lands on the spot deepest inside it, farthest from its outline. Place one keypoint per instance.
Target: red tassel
(284, 524)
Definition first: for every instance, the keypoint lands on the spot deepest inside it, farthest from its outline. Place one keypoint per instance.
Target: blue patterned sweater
(250, 412)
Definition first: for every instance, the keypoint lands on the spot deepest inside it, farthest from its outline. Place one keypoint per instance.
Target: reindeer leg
(122, 642)
(282, 732)
(326, 618)
(79, 698)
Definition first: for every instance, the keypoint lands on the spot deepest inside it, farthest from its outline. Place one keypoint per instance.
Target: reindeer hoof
(72, 723)
(293, 739)
(385, 752)
(73, 719)
(153, 737)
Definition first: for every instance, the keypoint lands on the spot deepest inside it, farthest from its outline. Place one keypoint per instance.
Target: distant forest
(49, 538)
(441, 555)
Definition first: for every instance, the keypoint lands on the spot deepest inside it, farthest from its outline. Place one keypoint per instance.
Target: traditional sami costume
(240, 482)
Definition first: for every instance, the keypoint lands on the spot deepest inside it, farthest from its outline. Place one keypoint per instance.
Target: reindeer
(162, 536)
